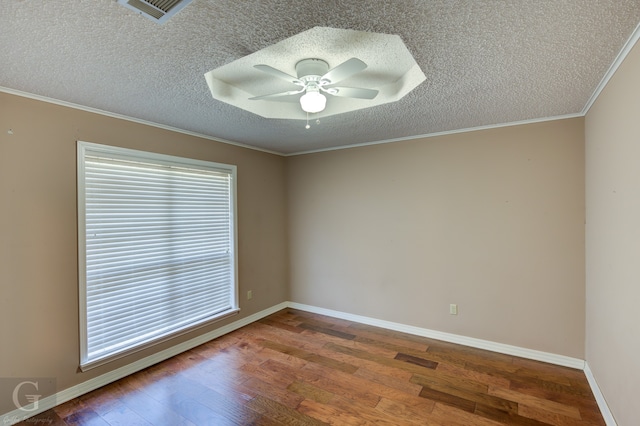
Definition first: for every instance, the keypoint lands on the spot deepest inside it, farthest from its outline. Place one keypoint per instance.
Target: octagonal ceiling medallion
(383, 68)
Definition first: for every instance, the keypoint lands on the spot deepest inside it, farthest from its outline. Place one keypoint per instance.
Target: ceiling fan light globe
(312, 102)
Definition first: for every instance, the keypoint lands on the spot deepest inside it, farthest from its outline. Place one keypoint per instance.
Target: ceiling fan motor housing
(311, 68)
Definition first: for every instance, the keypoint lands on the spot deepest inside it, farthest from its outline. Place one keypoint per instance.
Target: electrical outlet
(453, 309)
(249, 294)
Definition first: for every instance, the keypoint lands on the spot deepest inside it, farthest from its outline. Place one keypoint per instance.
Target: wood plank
(300, 368)
(555, 392)
(381, 335)
(548, 417)
(374, 341)
(310, 391)
(483, 398)
(350, 386)
(271, 322)
(104, 399)
(389, 346)
(236, 412)
(383, 371)
(266, 389)
(406, 413)
(473, 357)
(84, 417)
(401, 384)
(535, 402)
(431, 378)
(506, 417)
(328, 414)
(327, 330)
(568, 372)
(153, 411)
(311, 357)
(260, 332)
(72, 406)
(368, 415)
(487, 379)
(342, 384)
(274, 372)
(303, 316)
(281, 413)
(443, 414)
(427, 363)
(123, 415)
(448, 399)
(389, 362)
(379, 331)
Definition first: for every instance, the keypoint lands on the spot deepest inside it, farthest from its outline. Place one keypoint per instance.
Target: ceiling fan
(315, 78)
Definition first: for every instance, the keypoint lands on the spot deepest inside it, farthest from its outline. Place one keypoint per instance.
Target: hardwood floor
(297, 368)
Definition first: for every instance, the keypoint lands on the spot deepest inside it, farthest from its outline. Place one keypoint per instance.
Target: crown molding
(445, 133)
(131, 119)
(635, 36)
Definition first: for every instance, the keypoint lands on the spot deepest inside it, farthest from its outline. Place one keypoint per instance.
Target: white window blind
(157, 248)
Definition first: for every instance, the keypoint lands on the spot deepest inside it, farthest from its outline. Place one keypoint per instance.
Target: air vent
(157, 10)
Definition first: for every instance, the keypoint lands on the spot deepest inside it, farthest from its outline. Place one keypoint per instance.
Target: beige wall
(38, 229)
(612, 131)
(491, 220)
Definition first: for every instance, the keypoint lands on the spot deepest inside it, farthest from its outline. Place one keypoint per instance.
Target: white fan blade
(351, 92)
(277, 95)
(277, 73)
(344, 70)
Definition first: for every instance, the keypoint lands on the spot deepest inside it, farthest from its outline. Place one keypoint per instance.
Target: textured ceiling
(390, 69)
(486, 62)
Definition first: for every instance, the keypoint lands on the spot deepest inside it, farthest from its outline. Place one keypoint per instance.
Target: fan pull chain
(308, 126)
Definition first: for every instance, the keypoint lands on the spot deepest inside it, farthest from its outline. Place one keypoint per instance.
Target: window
(156, 239)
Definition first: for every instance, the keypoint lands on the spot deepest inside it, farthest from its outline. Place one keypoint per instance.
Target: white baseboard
(602, 403)
(448, 337)
(65, 395)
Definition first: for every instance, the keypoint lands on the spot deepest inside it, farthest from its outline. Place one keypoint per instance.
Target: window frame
(83, 148)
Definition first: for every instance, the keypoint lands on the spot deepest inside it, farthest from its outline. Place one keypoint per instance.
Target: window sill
(88, 365)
